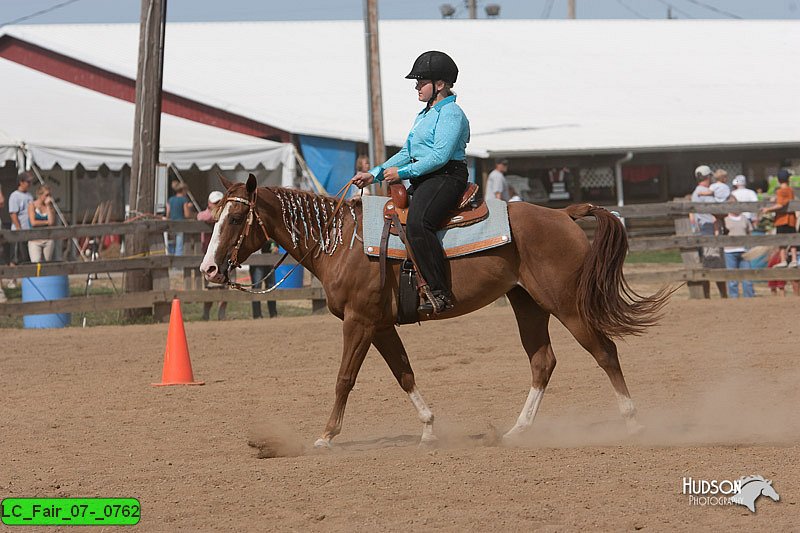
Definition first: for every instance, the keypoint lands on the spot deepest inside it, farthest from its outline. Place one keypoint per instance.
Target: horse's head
(769, 492)
(238, 232)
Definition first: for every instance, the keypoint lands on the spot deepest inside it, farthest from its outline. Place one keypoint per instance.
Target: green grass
(655, 256)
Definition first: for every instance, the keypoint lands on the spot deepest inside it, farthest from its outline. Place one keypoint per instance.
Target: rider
(433, 159)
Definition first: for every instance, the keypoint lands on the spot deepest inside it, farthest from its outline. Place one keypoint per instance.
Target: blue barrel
(45, 288)
(295, 281)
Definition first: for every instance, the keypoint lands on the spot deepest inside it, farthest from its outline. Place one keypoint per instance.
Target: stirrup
(435, 303)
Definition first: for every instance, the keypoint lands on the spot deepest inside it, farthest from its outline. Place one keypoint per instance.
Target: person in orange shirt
(785, 220)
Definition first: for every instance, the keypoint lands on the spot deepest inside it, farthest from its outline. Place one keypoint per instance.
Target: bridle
(252, 215)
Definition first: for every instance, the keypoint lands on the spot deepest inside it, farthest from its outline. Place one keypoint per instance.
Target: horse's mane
(310, 216)
(748, 479)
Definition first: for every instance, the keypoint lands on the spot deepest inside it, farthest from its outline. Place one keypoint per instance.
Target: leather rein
(253, 216)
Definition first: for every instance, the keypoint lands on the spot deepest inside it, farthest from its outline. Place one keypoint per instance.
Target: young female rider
(433, 158)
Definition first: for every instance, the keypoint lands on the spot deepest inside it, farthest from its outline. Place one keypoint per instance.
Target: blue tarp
(332, 161)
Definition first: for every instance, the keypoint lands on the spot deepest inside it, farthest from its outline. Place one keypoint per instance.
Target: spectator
(18, 209)
(785, 220)
(743, 194)
(258, 273)
(776, 287)
(179, 208)
(705, 224)
(41, 213)
(2, 205)
(738, 225)
(207, 215)
(513, 196)
(720, 186)
(496, 186)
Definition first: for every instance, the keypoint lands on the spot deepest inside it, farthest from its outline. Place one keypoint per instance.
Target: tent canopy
(57, 123)
(527, 86)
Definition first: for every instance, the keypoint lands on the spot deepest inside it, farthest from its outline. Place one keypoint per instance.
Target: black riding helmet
(434, 65)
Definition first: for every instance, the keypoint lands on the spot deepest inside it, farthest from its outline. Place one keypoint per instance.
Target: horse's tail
(606, 302)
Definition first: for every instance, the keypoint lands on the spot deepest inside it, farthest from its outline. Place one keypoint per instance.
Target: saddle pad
(490, 233)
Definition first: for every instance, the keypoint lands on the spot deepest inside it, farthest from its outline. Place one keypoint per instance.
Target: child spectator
(785, 220)
(738, 225)
(776, 287)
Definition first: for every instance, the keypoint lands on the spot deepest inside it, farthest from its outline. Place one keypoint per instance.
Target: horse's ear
(252, 183)
(224, 181)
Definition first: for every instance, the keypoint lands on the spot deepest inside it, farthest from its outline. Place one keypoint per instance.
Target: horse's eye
(236, 221)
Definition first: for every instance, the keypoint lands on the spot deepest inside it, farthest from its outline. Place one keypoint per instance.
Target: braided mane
(313, 217)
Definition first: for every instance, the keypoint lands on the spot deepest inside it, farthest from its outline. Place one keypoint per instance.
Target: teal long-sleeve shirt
(438, 135)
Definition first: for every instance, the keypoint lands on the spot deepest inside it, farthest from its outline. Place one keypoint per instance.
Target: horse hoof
(323, 444)
(512, 439)
(428, 443)
(635, 429)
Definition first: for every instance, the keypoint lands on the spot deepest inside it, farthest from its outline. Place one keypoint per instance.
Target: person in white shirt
(496, 185)
(743, 194)
(738, 225)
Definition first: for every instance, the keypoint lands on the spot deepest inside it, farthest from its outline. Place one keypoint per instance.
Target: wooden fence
(159, 265)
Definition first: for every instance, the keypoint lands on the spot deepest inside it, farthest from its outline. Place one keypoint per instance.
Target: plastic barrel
(295, 281)
(45, 288)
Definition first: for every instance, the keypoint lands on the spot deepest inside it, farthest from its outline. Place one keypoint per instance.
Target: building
(584, 104)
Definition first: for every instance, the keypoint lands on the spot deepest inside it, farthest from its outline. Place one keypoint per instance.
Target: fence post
(161, 283)
(691, 259)
(318, 306)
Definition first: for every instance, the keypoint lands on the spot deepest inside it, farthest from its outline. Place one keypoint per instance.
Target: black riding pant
(434, 196)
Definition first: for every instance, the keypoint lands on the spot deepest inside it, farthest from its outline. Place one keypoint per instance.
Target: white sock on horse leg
(525, 419)
(424, 413)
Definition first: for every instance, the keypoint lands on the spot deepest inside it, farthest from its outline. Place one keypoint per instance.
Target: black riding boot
(436, 302)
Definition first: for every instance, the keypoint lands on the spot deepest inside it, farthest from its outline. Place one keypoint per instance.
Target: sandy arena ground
(715, 384)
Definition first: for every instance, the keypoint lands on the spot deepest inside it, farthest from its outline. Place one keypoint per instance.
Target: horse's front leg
(388, 343)
(357, 334)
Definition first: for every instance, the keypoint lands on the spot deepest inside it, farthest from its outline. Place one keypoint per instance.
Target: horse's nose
(211, 270)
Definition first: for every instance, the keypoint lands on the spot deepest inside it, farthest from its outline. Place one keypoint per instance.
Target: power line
(714, 9)
(676, 8)
(42, 12)
(548, 7)
(629, 8)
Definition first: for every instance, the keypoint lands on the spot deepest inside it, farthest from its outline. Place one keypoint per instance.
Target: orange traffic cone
(177, 366)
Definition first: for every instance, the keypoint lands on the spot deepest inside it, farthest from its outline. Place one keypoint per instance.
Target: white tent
(53, 122)
(527, 86)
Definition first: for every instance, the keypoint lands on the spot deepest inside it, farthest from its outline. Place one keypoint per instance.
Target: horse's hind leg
(604, 352)
(388, 343)
(357, 336)
(532, 322)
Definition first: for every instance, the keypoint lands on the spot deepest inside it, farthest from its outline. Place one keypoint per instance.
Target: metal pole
(571, 9)
(618, 172)
(377, 147)
(146, 135)
(473, 8)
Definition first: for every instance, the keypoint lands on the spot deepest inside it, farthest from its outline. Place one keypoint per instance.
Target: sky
(93, 11)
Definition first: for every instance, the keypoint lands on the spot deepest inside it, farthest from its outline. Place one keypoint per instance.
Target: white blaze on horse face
(211, 253)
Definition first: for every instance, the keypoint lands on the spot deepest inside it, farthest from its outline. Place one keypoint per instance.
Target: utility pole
(377, 148)
(571, 9)
(473, 8)
(146, 136)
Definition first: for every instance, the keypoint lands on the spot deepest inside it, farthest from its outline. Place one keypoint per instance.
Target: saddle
(470, 210)
(395, 213)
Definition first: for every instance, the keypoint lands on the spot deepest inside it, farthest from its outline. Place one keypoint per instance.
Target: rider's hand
(391, 175)
(362, 179)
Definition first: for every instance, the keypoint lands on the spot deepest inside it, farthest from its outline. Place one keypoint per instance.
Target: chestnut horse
(549, 268)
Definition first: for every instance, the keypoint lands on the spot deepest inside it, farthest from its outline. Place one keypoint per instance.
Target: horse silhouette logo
(752, 488)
